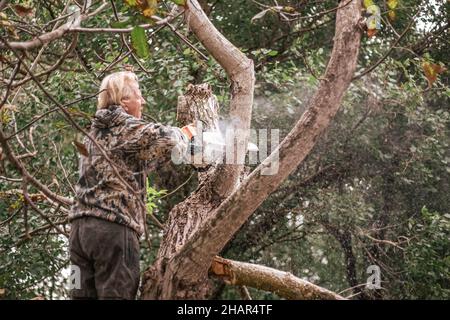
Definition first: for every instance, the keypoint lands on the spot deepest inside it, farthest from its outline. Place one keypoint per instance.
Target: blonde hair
(115, 87)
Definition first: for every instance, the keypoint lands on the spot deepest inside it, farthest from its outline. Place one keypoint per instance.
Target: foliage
(428, 256)
(152, 197)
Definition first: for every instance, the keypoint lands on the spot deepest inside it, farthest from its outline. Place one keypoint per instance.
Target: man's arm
(154, 141)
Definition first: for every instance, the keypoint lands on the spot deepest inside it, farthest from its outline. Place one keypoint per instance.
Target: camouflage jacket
(135, 147)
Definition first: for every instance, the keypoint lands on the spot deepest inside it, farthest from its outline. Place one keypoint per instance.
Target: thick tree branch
(235, 210)
(241, 72)
(220, 181)
(285, 284)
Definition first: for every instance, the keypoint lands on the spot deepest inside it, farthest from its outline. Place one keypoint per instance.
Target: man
(108, 216)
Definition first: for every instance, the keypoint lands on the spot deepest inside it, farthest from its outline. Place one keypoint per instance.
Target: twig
(177, 188)
(51, 111)
(35, 208)
(57, 33)
(298, 15)
(184, 39)
(376, 64)
(71, 47)
(107, 30)
(26, 175)
(62, 168)
(8, 87)
(245, 294)
(10, 217)
(3, 4)
(10, 179)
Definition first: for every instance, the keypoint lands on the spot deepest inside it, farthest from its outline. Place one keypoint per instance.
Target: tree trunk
(199, 227)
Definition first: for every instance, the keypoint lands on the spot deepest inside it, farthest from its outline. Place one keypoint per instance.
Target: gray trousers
(107, 257)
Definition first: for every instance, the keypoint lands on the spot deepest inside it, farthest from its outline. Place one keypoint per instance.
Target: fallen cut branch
(284, 284)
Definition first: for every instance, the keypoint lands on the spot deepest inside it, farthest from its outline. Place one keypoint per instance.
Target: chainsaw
(210, 143)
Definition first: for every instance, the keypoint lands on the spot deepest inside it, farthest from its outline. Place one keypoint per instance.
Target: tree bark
(219, 181)
(285, 284)
(219, 208)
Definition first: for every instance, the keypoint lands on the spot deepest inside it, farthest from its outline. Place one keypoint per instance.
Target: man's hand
(189, 130)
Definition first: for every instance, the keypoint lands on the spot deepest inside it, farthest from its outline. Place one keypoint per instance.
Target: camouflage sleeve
(154, 141)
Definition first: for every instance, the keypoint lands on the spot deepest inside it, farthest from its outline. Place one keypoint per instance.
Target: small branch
(3, 4)
(8, 87)
(361, 233)
(394, 45)
(285, 284)
(297, 16)
(66, 176)
(33, 232)
(35, 208)
(245, 294)
(428, 38)
(52, 68)
(2, 223)
(107, 30)
(10, 179)
(182, 37)
(24, 172)
(178, 188)
(58, 33)
(51, 111)
(124, 41)
(25, 214)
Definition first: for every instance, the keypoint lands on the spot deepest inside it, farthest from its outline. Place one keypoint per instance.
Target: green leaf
(392, 15)
(139, 42)
(260, 15)
(131, 3)
(179, 2)
(368, 3)
(152, 197)
(272, 53)
(392, 4)
(4, 117)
